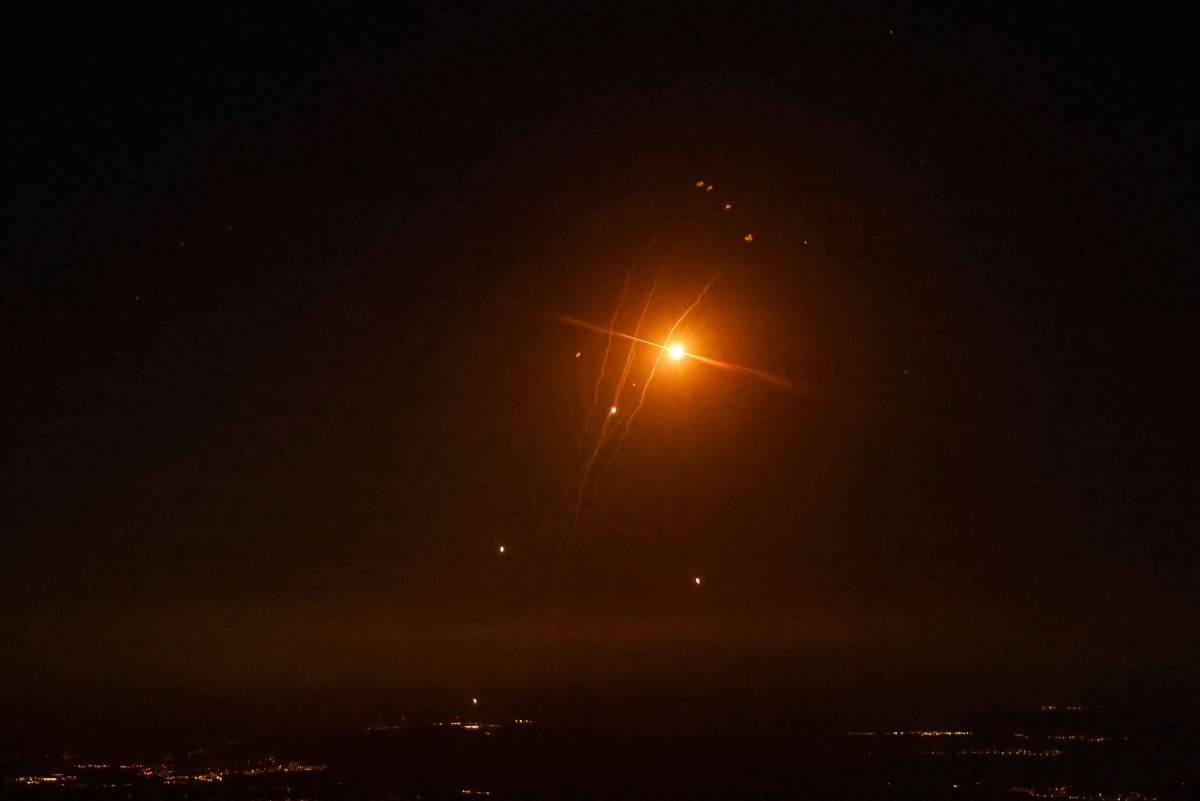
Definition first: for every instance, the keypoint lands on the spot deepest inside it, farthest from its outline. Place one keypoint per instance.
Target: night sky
(286, 361)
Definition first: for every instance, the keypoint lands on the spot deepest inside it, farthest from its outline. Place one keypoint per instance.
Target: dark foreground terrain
(1065, 753)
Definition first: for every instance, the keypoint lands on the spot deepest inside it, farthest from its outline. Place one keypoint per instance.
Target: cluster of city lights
(1078, 738)
(168, 774)
(1068, 793)
(910, 733)
(1001, 752)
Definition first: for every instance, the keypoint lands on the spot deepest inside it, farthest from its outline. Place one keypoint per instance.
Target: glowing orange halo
(777, 380)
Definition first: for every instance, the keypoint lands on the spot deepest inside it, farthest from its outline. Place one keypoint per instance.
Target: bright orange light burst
(675, 351)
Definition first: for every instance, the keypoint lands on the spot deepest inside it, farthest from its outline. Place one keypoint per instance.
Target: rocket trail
(777, 380)
(664, 350)
(603, 436)
(562, 318)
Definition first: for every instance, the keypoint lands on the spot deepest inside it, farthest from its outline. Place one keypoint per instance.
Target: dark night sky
(283, 370)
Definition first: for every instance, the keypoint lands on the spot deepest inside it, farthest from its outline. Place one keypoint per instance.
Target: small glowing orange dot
(501, 549)
(708, 188)
(474, 700)
(728, 207)
(578, 353)
(613, 410)
(749, 237)
(697, 579)
(699, 183)
(675, 351)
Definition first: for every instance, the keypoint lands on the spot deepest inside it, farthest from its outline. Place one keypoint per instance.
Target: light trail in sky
(663, 349)
(562, 318)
